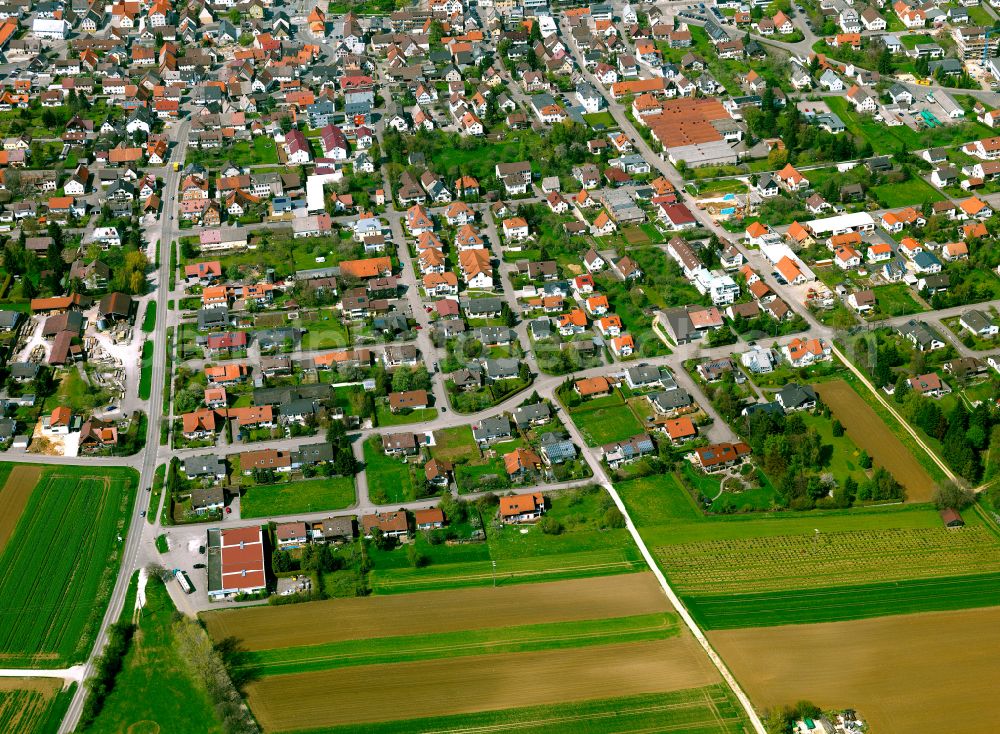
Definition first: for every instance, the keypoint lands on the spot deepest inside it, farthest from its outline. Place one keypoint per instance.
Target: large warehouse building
(236, 562)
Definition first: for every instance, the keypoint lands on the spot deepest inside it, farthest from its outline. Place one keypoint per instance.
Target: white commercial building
(840, 224)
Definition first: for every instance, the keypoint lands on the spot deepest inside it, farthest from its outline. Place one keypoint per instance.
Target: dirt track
(442, 687)
(266, 627)
(920, 672)
(867, 429)
(14, 497)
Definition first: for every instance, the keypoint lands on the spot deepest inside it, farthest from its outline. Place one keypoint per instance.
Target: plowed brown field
(867, 429)
(14, 497)
(919, 672)
(442, 687)
(315, 623)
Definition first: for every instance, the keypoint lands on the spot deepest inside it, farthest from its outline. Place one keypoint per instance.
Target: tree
(902, 390)
(948, 494)
(838, 428)
(401, 379)
(382, 541)
(884, 63)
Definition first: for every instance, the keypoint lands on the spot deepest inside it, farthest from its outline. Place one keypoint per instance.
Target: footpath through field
(67, 674)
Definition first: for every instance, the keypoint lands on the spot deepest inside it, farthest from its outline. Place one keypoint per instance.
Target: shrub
(550, 526)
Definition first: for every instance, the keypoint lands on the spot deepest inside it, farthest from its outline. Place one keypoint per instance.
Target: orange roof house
(224, 373)
(199, 421)
(522, 507)
(680, 429)
(592, 386)
(61, 416)
(798, 233)
(789, 270)
(791, 178)
(973, 231)
(521, 460)
(973, 206)
(370, 268)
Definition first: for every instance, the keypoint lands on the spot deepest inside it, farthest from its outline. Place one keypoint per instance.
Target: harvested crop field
(316, 623)
(922, 672)
(867, 429)
(25, 703)
(442, 687)
(14, 497)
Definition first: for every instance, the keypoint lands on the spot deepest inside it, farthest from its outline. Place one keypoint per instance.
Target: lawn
(895, 299)
(288, 498)
(261, 151)
(149, 317)
(157, 688)
(709, 710)
(464, 643)
(390, 479)
(386, 417)
(146, 375)
(56, 576)
(839, 454)
(912, 40)
(454, 444)
(604, 420)
(908, 193)
(604, 119)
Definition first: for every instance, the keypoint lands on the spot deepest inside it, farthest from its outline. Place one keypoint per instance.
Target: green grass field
(708, 710)
(771, 569)
(149, 317)
(453, 444)
(389, 479)
(604, 420)
(907, 193)
(896, 299)
(605, 119)
(837, 603)
(493, 640)
(60, 565)
(839, 454)
(146, 375)
(387, 418)
(582, 549)
(311, 495)
(156, 689)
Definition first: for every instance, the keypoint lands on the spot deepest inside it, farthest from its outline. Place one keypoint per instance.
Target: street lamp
(494, 574)
(815, 540)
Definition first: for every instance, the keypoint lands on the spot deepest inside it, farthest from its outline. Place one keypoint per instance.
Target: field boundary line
(685, 615)
(892, 411)
(593, 716)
